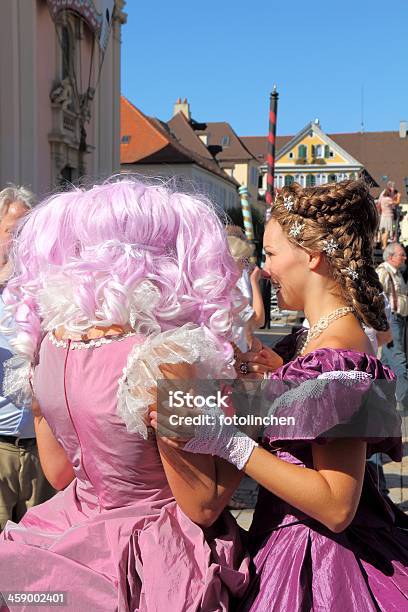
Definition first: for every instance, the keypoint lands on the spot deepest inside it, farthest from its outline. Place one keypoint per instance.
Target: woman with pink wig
(115, 287)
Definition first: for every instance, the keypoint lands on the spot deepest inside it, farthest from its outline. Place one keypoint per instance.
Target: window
(302, 151)
(253, 173)
(289, 180)
(291, 155)
(225, 140)
(331, 154)
(125, 139)
(66, 52)
(332, 178)
(310, 180)
(317, 151)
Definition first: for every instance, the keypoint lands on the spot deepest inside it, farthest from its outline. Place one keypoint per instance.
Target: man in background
(22, 482)
(396, 290)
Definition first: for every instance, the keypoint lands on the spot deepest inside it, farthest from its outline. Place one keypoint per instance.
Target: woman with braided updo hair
(323, 537)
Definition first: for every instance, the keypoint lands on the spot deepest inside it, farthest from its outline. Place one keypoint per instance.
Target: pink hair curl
(123, 251)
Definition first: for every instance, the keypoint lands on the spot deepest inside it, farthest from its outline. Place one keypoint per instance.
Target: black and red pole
(270, 158)
(270, 191)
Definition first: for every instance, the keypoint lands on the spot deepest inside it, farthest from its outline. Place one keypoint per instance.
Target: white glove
(216, 437)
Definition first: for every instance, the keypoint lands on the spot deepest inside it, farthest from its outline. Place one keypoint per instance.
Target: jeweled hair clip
(353, 274)
(288, 202)
(330, 247)
(296, 229)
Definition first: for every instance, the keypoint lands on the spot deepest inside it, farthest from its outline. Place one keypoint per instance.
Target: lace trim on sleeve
(315, 387)
(137, 385)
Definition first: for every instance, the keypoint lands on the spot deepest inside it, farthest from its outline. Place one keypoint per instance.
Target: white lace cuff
(224, 440)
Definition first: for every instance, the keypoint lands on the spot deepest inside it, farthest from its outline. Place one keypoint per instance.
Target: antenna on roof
(362, 110)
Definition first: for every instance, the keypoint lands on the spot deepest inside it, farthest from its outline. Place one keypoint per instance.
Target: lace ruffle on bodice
(188, 344)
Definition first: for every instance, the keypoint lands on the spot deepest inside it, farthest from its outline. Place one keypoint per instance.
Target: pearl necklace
(322, 324)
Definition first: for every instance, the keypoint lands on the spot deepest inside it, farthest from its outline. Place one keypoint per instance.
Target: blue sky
(225, 55)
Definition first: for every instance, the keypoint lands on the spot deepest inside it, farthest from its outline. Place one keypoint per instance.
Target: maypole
(247, 217)
(270, 158)
(270, 189)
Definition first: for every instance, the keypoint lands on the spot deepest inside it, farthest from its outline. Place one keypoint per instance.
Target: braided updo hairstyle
(339, 219)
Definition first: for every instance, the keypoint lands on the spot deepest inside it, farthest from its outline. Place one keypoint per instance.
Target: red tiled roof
(184, 133)
(151, 142)
(234, 151)
(143, 139)
(258, 145)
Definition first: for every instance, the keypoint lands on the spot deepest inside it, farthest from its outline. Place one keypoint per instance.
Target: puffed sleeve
(330, 394)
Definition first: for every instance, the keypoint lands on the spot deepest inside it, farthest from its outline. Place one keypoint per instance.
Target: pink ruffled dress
(115, 538)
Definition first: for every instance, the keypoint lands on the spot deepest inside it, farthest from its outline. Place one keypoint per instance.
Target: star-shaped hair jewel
(353, 274)
(296, 229)
(330, 247)
(288, 202)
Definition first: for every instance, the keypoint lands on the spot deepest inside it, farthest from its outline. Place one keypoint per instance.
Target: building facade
(60, 109)
(152, 148)
(312, 158)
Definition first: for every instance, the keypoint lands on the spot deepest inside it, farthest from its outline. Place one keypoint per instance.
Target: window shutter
(302, 151)
(326, 151)
(313, 151)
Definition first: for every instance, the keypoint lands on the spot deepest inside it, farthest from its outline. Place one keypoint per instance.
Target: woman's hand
(256, 275)
(260, 360)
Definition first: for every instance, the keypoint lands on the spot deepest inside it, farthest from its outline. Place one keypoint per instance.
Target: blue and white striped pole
(247, 216)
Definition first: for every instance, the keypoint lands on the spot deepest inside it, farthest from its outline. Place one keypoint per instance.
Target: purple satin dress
(301, 565)
(115, 538)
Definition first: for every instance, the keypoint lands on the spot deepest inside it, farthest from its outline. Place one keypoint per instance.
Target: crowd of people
(112, 292)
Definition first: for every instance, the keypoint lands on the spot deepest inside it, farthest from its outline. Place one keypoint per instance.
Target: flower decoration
(296, 229)
(330, 247)
(288, 202)
(353, 274)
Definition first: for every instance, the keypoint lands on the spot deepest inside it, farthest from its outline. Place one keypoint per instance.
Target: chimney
(403, 129)
(182, 107)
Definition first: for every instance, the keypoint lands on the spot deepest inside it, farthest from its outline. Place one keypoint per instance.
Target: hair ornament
(288, 202)
(296, 229)
(127, 248)
(330, 247)
(353, 274)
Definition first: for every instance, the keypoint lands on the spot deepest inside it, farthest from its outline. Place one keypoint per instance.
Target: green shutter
(326, 151)
(313, 151)
(302, 151)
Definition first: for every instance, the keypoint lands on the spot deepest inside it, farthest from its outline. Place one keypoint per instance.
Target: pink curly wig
(121, 252)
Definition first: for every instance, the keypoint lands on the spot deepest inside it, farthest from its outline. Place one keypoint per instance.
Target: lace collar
(87, 344)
